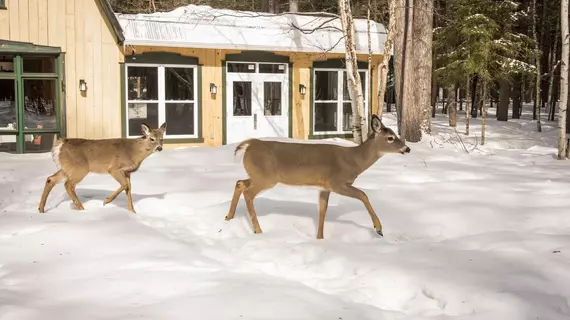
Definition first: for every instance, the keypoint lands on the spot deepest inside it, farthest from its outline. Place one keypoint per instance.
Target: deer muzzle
(405, 150)
(159, 148)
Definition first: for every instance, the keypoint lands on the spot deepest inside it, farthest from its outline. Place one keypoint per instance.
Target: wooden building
(76, 69)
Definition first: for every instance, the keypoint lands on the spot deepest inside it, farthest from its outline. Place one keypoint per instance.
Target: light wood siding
(211, 61)
(81, 30)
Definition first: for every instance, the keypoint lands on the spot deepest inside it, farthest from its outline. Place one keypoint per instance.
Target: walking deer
(75, 158)
(331, 168)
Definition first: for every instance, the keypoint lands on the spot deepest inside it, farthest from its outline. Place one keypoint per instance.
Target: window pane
(6, 63)
(39, 142)
(8, 119)
(326, 84)
(346, 96)
(139, 113)
(347, 116)
(241, 67)
(242, 98)
(40, 104)
(39, 65)
(325, 117)
(142, 83)
(272, 68)
(179, 83)
(8, 143)
(272, 96)
(180, 118)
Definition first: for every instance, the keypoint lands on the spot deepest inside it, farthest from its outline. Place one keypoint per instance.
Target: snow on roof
(199, 26)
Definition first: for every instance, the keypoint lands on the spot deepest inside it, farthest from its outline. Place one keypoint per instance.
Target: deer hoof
(379, 232)
(228, 218)
(41, 210)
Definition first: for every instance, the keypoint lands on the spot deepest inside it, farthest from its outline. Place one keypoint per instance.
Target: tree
(383, 67)
(562, 144)
(359, 121)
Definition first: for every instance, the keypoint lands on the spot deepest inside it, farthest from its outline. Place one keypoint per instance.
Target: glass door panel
(40, 103)
(8, 115)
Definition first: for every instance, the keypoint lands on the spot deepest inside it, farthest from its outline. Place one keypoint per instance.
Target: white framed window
(332, 110)
(158, 93)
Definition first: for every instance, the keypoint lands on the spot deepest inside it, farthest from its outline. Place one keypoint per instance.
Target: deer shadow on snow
(99, 195)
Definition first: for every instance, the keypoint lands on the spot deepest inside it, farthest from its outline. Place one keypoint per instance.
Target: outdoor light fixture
(302, 89)
(82, 85)
(213, 88)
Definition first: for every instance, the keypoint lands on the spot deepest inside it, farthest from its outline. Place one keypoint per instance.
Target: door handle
(255, 121)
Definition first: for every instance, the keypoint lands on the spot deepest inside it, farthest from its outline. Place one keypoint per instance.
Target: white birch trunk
(563, 81)
(359, 121)
(383, 66)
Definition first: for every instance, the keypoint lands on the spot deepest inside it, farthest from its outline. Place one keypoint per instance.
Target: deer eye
(152, 139)
(390, 139)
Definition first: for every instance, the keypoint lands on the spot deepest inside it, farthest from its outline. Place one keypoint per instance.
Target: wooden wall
(91, 53)
(211, 60)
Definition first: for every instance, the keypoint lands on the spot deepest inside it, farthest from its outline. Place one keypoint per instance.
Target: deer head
(153, 137)
(385, 140)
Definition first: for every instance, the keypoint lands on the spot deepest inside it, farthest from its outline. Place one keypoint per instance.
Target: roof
(110, 15)
(7, 46)
(199, 26)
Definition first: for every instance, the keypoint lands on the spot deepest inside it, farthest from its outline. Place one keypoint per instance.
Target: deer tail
(56, 150)
(243, 145)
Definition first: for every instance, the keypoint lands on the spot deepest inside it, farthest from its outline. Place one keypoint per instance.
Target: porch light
(213, 88)
(302, 89)
(82, 85)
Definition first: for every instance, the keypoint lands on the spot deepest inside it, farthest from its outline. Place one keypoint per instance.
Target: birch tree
(359, 121)
(383, 67)
(562, 145)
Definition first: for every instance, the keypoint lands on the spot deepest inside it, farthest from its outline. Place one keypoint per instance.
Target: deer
(119, 157)
(328, 167)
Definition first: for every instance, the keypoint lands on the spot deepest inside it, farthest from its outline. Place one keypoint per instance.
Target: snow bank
(478, 235)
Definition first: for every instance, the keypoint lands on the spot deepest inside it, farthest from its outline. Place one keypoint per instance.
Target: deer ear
(377, 124)
(163, 127)
(145, 130)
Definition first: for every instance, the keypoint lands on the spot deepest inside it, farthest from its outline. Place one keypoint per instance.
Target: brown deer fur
(117, 157)
(331, 168)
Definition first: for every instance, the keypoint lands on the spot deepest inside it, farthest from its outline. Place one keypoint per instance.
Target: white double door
(257, 106)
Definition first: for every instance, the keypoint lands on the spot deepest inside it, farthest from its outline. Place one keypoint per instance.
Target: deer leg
(323, 205)
(50, 183)
(249, 194)
(121, 178)
(240, 186)
(352, 192)
(70, 188)
(129, 196)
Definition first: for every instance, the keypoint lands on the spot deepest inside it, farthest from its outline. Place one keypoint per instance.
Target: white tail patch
(55, 153)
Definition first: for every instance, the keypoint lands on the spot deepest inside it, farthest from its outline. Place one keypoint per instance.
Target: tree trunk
(504, 96)
(562, 114)
(293, 5)
(452, 105)
(423, 62)
(483, 111)
(467, 100)
(359, 122)
(474, 97)
(536, 112)
(399, 32)
(383, 67)
(411, 119)
(517, 103)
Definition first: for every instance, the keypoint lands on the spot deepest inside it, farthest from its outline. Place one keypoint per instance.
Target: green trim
(7, 75)
(41, 75)
(256, 56)
(20, 102)
(122, 70)
(291, 87)
(27, 48)
(327, 136)
(58, 96)
(224, 104)
(311, 101)
(161, 57)
(63, 117)
(198, 105)
(28, 131)
(339, 63)
(183, 140)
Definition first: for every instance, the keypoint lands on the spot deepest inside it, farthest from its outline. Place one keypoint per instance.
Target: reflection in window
(180, 118)
(241, 67)
(272, 98)
(272, 68)
(179, 83)
(39, 65)
(142, 83)
(325, 116)
(326, 85)
(138, 113)
(242, 98)
(8, 119)
(6, 64)
(40, 103)
(345, 93)
(347, 116)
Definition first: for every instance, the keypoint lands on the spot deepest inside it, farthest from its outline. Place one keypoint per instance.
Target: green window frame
(3, 4)
(21, 51)
(162, 61)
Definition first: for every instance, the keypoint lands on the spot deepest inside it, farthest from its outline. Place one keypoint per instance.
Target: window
(2, 4)
(332, 110)
(162, 93)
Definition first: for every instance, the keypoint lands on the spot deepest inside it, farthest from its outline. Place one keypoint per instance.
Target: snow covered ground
(476, 234)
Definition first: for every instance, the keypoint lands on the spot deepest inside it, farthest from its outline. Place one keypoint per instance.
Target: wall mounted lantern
(213, 88)
(302, 89)
(82, 85)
